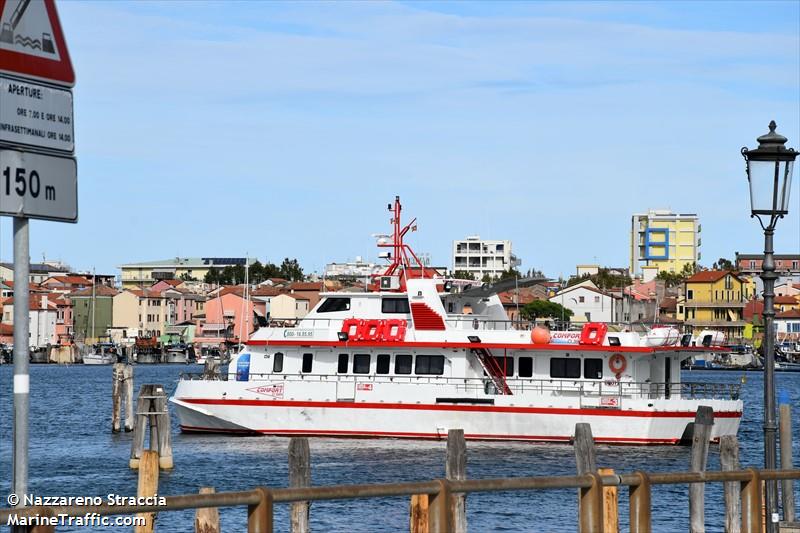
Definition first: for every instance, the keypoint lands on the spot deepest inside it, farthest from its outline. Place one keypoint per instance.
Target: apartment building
(661, 240)
(483, 257)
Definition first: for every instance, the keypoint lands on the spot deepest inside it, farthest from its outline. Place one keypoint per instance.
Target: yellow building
(141, 275)
(662, 240)
(713, 299)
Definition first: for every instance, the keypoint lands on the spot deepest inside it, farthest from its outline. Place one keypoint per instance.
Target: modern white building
(482, 257)
(353, 269)
(588, 303)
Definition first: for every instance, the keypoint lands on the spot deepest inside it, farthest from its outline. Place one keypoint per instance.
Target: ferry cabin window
(308, 361)
(505, 364)
(334, 304)
(561, 367)
(429, 364)
(361, 363)
(402, 364)
(525, 367)
(344, 360)
(382, 366)
(593, 368)
(277, 363)
(395, 305)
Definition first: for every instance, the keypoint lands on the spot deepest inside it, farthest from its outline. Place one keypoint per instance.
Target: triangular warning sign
(32, 43)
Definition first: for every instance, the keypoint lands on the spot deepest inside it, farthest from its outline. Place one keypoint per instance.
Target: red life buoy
(617, 363)
(593, 333)
(350, 326)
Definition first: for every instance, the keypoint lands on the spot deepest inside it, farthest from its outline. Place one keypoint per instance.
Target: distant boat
(104, 353)
(177, 355)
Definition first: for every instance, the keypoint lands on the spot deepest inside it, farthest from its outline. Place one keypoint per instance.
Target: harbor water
(74, 453)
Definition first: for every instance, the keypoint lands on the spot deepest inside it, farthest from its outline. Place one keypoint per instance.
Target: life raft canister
(617, 364)
(593, 333)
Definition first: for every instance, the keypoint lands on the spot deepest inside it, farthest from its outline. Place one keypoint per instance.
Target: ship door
(667, 376)
(346, 390)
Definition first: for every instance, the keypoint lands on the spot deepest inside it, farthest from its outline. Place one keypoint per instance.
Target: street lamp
(769, 172)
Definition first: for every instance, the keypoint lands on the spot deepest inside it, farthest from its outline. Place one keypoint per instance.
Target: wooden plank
(418, 520)
(148, 486)
(206, 519)
(787, 485)
(299, 477)
(610, 504)
(703, 423)
(456, 469)
(729, 460)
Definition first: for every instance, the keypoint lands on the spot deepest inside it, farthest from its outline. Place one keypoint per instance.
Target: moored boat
(420, 354)
(103, 353)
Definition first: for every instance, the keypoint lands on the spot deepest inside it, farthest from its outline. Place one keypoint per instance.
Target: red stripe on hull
(410, 435)
(474, 408)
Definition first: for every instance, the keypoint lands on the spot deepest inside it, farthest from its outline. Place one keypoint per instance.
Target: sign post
(38, 172)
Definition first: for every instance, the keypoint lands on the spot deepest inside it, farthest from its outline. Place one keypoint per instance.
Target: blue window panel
(649, 243)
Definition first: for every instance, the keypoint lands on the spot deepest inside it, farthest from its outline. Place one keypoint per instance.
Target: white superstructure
(416, 357)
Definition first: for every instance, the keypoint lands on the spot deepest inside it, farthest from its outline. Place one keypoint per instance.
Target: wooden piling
(206, 519)
(164, 430)
(117, 379)
(456, 470)
(418, 521)
(584, 449)
(752, 512)
(729, 460)
(148, 486)
(140, 428)
(152, 412)
(787, 485)
(127, 386)
(703, 422)
(299, 477)
(610, 504)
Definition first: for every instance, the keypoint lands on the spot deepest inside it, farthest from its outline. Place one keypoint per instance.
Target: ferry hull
(432, 421)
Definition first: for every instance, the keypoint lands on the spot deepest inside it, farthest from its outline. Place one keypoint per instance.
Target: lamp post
(769, 172)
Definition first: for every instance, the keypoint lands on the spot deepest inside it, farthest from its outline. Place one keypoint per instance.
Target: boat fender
(617, 364)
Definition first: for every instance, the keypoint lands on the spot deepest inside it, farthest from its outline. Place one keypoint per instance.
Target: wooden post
(456, 469)
(206, 519)
(148, 486)
(703, 422)
(299, 477)
(419, 514)
(591, 506)
(164, 430)
(127, 385)
(729, 460)
(751, 504)
(259, 516)
(787, 485)
(117, 378)
(39, 528)
(610, 504)
(440, 509)
(140, 429)
(584, 449)
(640, 505)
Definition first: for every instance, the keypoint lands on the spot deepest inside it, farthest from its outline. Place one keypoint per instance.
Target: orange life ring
(617, 364)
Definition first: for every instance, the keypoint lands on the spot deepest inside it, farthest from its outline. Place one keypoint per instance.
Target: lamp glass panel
(786, 186)
(763, 186)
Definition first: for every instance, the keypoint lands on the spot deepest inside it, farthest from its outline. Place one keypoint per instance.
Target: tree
(291, 270)
(604, 279)
(544, 309)
(212, 276)
(511, 273)
(187, 277)
(463, 274)
(722, 264)
(487, 278)
(673, 279)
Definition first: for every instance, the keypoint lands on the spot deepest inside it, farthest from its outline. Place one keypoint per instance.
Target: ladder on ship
(492, 369)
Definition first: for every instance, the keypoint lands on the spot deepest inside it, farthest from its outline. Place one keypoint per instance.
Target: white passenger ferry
(415, 357)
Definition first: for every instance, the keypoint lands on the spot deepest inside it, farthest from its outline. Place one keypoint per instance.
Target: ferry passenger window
(277, 363)
(395, 305)
(308, 361)
(344, 361)
(561, 367)
(593, 368)
(383, 363)
(429, 364)
(402, 364)
(525, 367)
(361, 363)
(334, 304)
(506, 364)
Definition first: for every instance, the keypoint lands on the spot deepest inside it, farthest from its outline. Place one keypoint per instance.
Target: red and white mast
(402, 258)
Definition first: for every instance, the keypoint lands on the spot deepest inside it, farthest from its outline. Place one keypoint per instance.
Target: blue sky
(284, 129)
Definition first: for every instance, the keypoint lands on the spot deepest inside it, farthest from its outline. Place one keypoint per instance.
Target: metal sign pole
(21, 355)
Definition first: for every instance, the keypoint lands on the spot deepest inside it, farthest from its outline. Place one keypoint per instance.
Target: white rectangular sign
(36, 115)
(38, 186)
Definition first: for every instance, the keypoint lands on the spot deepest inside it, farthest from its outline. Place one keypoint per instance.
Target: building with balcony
(482, 257)
(663, 240)
(713, 299)
(143, 275)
